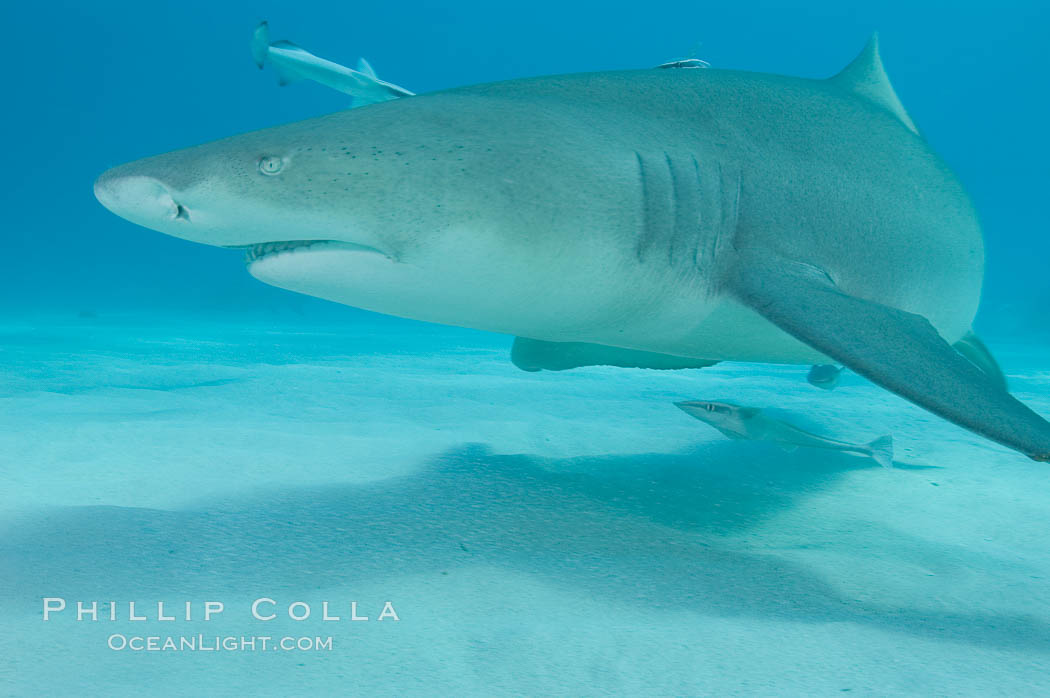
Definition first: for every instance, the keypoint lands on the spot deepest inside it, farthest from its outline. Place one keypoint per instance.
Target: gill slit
(647, 213)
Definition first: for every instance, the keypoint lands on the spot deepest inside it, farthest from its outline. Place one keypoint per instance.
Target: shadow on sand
(648, 530)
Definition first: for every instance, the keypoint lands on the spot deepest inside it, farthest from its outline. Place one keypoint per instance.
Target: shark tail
(881, 449)
(261, 44)
(283, 65)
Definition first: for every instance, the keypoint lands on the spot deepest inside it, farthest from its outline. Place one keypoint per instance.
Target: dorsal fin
(366, 68)
(866, 77)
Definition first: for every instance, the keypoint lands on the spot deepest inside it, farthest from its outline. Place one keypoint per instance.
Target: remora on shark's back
(293, 63)
(702, 215)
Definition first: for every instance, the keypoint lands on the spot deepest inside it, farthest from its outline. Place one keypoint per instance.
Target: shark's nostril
(181, 213)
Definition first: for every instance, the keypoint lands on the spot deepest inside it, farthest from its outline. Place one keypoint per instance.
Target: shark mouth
(253, 253)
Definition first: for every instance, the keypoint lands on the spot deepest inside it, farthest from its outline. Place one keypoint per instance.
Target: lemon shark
(662, 216)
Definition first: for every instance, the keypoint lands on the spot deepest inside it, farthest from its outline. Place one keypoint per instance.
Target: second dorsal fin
(866, 77)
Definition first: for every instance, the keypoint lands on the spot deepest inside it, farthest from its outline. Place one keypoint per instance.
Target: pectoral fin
(898, 350)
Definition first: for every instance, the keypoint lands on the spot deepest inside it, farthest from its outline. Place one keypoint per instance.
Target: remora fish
(703, 214)
(750, 423)
(293, 63)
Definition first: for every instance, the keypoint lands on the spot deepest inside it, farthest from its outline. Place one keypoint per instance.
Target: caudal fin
(261, 44)
(882, 451)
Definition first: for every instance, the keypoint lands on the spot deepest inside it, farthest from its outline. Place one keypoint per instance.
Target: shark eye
(270, 165)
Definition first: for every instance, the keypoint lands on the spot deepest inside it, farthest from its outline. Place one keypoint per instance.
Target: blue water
(171, 429)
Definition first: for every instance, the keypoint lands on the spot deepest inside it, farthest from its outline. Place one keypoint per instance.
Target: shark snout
(140, 199)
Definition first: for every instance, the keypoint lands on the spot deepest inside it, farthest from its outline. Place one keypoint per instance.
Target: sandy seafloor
(538, 534)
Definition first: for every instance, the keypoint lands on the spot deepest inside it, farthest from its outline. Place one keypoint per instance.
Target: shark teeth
(265, 249)
(269, 249)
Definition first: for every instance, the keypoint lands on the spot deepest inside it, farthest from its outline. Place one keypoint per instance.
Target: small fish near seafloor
(750, 423)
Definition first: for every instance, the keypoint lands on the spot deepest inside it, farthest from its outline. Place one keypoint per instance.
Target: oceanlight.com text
(217, 643)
